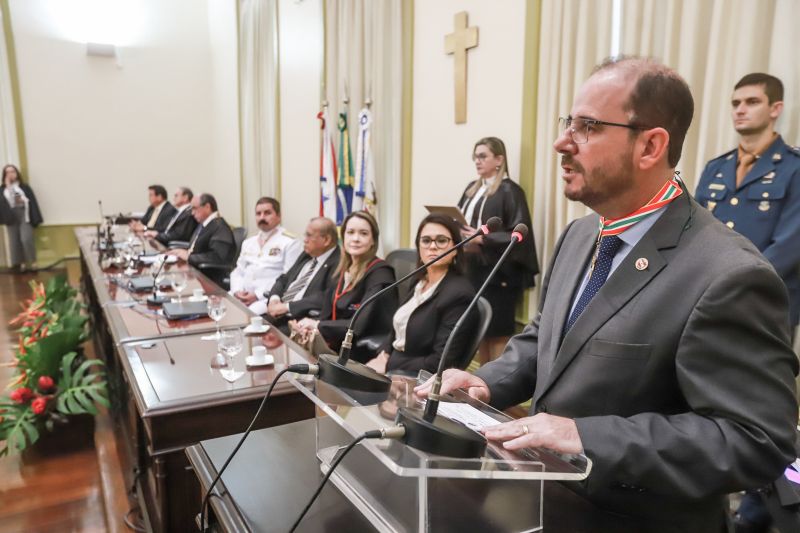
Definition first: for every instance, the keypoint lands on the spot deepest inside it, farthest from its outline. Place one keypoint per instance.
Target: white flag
(327, 170)
(365, 197)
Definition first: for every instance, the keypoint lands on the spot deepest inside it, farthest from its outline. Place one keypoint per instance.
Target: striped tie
(299, 284)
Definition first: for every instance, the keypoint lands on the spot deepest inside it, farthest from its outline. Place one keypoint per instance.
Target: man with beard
(264, 257)
(661, 345)
(755, 189)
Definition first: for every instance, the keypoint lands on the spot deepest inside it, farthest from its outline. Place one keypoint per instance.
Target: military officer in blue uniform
(755, 188)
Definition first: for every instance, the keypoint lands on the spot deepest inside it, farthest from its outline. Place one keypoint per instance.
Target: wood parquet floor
(45, 491)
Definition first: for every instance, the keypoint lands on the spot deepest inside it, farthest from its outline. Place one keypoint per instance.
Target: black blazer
(181, 230)
(430, 325)
(521, 267)
(215, 244)
(6, 213)
(318, 286)
(375, 319)
(166, 214)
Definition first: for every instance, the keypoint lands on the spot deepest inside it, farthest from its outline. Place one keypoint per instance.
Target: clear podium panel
(399, 488)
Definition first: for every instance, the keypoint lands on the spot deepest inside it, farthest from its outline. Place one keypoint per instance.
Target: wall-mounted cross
(457, 43)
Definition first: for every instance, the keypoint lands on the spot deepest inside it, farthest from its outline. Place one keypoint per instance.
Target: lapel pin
(719, 175)
(641, 263)
(776, 157)
(730, 156)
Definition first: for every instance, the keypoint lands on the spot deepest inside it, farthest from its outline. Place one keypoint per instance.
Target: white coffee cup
(259, 353)
(198, 293)
(256, 322)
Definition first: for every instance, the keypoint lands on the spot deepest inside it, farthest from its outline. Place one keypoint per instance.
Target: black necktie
(299, 284)
(605, 255)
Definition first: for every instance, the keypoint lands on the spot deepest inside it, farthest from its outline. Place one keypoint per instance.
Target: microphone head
(494, 223)
(520, 232)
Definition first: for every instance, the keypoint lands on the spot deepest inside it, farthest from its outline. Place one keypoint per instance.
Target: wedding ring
(525, 430)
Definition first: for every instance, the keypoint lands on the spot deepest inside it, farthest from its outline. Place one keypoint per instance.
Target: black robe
(164, 216)
(376, 319)
(181, 230)
(522, 265)
(7, 214)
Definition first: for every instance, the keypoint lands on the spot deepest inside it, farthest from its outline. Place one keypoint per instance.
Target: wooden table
(165, 396)
(276, 471)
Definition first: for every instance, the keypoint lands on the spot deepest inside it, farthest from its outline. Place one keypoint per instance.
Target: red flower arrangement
(53, 380)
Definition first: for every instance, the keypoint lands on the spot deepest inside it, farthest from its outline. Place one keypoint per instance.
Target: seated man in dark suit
(158, 213)
(300, 290)
(212, 241)
(182, 224)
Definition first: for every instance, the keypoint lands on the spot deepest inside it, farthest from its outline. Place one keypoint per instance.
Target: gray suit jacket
(679, 376)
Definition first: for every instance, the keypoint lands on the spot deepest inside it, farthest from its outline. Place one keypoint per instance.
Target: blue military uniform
(765, 208)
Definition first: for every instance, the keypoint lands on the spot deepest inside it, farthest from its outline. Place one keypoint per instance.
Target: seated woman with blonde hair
(360, 275)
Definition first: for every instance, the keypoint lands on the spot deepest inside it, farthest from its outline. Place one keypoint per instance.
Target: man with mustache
(661, 345)
(264, 257)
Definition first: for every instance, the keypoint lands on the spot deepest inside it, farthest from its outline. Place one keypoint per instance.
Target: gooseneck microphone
(154, 299)
(439, 435)
(343, 373)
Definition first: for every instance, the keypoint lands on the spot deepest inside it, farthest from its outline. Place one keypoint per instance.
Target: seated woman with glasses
(494, 194)
(424, 322)
(360, 275)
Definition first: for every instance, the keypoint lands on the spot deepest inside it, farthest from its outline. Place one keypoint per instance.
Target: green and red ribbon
(615, 226)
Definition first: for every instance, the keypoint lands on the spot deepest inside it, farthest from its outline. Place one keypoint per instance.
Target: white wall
(441, 149)
(167, 114)
(301, 58)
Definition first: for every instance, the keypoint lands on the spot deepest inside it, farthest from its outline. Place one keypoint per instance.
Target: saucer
(250, 330)
(254, 362)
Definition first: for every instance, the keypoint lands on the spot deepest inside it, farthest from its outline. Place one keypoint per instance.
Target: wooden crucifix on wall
(457, 43)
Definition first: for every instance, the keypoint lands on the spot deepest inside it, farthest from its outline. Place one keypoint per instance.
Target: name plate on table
(185, 310)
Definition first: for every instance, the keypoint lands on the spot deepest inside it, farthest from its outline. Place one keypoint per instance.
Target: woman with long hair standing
(495, 194)
(19, 211)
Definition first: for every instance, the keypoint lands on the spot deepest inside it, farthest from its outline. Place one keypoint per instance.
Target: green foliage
(81, 389)
(18, 427)
(51, 329)
(44, 357)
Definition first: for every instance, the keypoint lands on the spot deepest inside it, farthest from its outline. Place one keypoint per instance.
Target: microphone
(343, 373)
(153, 299)
(439, 435)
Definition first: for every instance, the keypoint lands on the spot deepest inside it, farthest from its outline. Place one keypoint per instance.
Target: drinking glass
(179, 282)
(231, 342)
(216, 310)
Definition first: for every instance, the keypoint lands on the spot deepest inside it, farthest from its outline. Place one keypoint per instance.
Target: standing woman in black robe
(19, 210)
(495, 194)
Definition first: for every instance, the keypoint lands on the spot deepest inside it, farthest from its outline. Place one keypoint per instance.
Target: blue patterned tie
(605, 255)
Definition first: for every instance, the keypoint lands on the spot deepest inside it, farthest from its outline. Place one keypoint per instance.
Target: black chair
(403, 261)
(220, 273)
(485, 317)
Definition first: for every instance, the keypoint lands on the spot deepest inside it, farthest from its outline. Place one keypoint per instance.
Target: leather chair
(221, 272)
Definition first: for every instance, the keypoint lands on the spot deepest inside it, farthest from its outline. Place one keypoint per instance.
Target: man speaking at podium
(661, 345)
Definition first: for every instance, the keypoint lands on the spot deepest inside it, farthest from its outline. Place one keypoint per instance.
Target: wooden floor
(57, 490)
